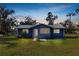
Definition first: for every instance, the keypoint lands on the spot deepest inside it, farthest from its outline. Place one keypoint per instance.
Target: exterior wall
(58, 35)
(17, 32)
(51, 35)
(42, 36)
(28, 35)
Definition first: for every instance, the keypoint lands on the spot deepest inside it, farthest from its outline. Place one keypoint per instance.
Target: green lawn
(26, 47)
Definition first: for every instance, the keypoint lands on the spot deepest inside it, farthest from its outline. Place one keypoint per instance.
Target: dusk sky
(39, 11)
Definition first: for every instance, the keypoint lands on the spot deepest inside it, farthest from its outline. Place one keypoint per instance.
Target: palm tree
(77, 10)
(68, 23)
(50, 18)
(70, 15)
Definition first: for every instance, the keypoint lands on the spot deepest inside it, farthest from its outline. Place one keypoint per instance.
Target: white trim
(56, 30)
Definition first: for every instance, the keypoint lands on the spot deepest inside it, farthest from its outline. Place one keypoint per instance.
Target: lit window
(56, 31)
(44, 30)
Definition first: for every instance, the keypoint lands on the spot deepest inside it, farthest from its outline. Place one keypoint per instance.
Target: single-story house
(41, 31)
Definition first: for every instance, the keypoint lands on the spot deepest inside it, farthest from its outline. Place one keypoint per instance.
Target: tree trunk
(51, 22)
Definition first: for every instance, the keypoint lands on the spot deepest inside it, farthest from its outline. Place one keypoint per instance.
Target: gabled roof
(31, 26)
(57, 26)
(24, 26)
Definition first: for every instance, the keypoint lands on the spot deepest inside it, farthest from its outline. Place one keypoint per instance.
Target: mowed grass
(11, 46)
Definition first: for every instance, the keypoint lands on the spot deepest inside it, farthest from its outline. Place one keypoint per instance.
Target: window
(44, 30)
(25, 31)
(56, 30)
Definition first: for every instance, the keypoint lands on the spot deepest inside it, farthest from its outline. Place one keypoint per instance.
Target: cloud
(51, 8)
(41, 14)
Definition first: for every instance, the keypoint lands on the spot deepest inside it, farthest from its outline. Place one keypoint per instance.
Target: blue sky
(39, 10)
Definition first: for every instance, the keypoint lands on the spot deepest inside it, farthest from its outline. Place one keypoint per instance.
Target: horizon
(38, 11)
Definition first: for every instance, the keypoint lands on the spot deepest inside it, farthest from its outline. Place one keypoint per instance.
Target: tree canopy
(28, 21)
(6, 23)
(50, 18)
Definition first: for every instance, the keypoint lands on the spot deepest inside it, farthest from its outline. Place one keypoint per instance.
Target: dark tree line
(28, 21)
(5, 22)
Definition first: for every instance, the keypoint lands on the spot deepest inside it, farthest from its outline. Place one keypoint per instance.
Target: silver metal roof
(24, 26)
(30, 26)
(57, 26)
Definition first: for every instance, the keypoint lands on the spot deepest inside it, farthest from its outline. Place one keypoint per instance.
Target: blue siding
(58, 35)
(51, 35)
(18, 33)
(42, 36)
(30, 35)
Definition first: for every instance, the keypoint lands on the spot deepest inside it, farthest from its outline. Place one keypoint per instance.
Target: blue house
(41, 31)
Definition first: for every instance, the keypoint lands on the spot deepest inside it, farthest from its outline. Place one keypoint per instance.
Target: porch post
(38, 33)
(16, 32)
(38, 38)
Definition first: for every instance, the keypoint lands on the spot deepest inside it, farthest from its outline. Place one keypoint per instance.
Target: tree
(10, 24)
(4, 21)
(68, 24)
(77, 11)
(70, 15)
(28, 18)
(28, 21)
(50, 18)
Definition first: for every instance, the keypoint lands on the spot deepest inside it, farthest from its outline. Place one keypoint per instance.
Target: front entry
(42, 33)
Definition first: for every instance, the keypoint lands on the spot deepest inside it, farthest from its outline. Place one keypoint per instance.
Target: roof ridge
(31, 26)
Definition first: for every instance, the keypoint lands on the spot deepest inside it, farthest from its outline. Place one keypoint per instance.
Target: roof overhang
(32, 26)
